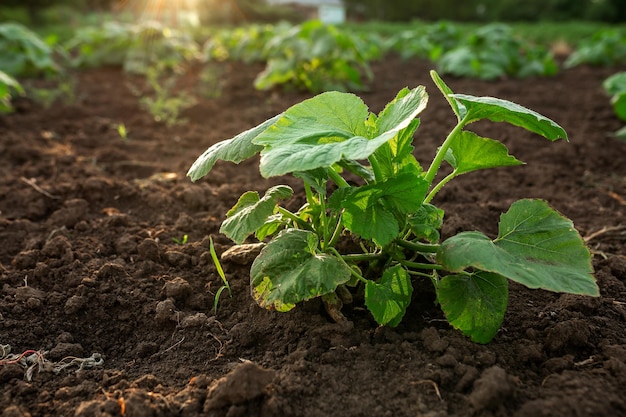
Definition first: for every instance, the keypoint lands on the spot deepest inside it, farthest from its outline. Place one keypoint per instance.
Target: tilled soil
(89, 268)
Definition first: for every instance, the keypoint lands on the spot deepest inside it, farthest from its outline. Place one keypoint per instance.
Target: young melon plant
(315, 57)
(390, 212)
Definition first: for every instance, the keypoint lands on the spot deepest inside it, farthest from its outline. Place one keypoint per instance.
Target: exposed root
(35, 359)
(37, 188)
(429, 382)
(605, 231)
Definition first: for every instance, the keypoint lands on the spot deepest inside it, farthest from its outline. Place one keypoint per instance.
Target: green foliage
(605, 48)
(24, 54)
(615, 86)
(163, 103)
(315, 57)
(389, 211)
(136, 47)
(426, 40)
(492, 51)
(9, 86)
(244, 43)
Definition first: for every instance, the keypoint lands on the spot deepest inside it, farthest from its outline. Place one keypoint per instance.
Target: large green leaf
(368, 210)
(289, 270)
(498, 110)
(234, 150)
(470, 152)
(327, 117)
(388, 299)
(327, 128)
(474, 303)
(536, 246)
(251, 212)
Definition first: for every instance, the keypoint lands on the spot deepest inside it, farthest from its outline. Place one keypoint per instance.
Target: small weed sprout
(182, 241)
(220, 272)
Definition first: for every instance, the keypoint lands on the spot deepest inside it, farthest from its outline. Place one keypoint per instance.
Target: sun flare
(169, 12)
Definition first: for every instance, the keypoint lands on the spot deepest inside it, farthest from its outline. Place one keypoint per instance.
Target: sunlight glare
(174, 13)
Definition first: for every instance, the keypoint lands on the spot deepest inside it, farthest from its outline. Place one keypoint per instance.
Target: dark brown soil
(88, 265)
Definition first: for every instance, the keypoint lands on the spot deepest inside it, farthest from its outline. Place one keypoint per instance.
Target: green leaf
(407, 105)
(250, 213)
(470, 152)
(327, 117)
(365, 216)
(234, 150)
(536, 246)
(316, 179)
(457, 107)
(619, 105)
(289, 270)
(325, 129)
(404, 193)
(7, 81)
(425, 224)
(270, 227)
(388, 299)
(615, 84)
(369, 209)
(474, 303)
(498, 110)
(397, 154)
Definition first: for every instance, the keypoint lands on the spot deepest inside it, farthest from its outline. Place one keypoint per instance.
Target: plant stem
(441, 153)
(360, 257)
(337, 232)
(309, 194)
(323, 222)
(417, 246)
(295, 218)
(342, 259)
(338, 179)
(439, 186)
(378, 175)
(419, 265)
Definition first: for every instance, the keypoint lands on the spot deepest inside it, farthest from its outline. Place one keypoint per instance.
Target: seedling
(220, 272)
(182, 241)
(122, 131)
(389, 212)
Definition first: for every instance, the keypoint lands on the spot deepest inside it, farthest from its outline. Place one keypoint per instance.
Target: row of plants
(488, 52)
(310, 56)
